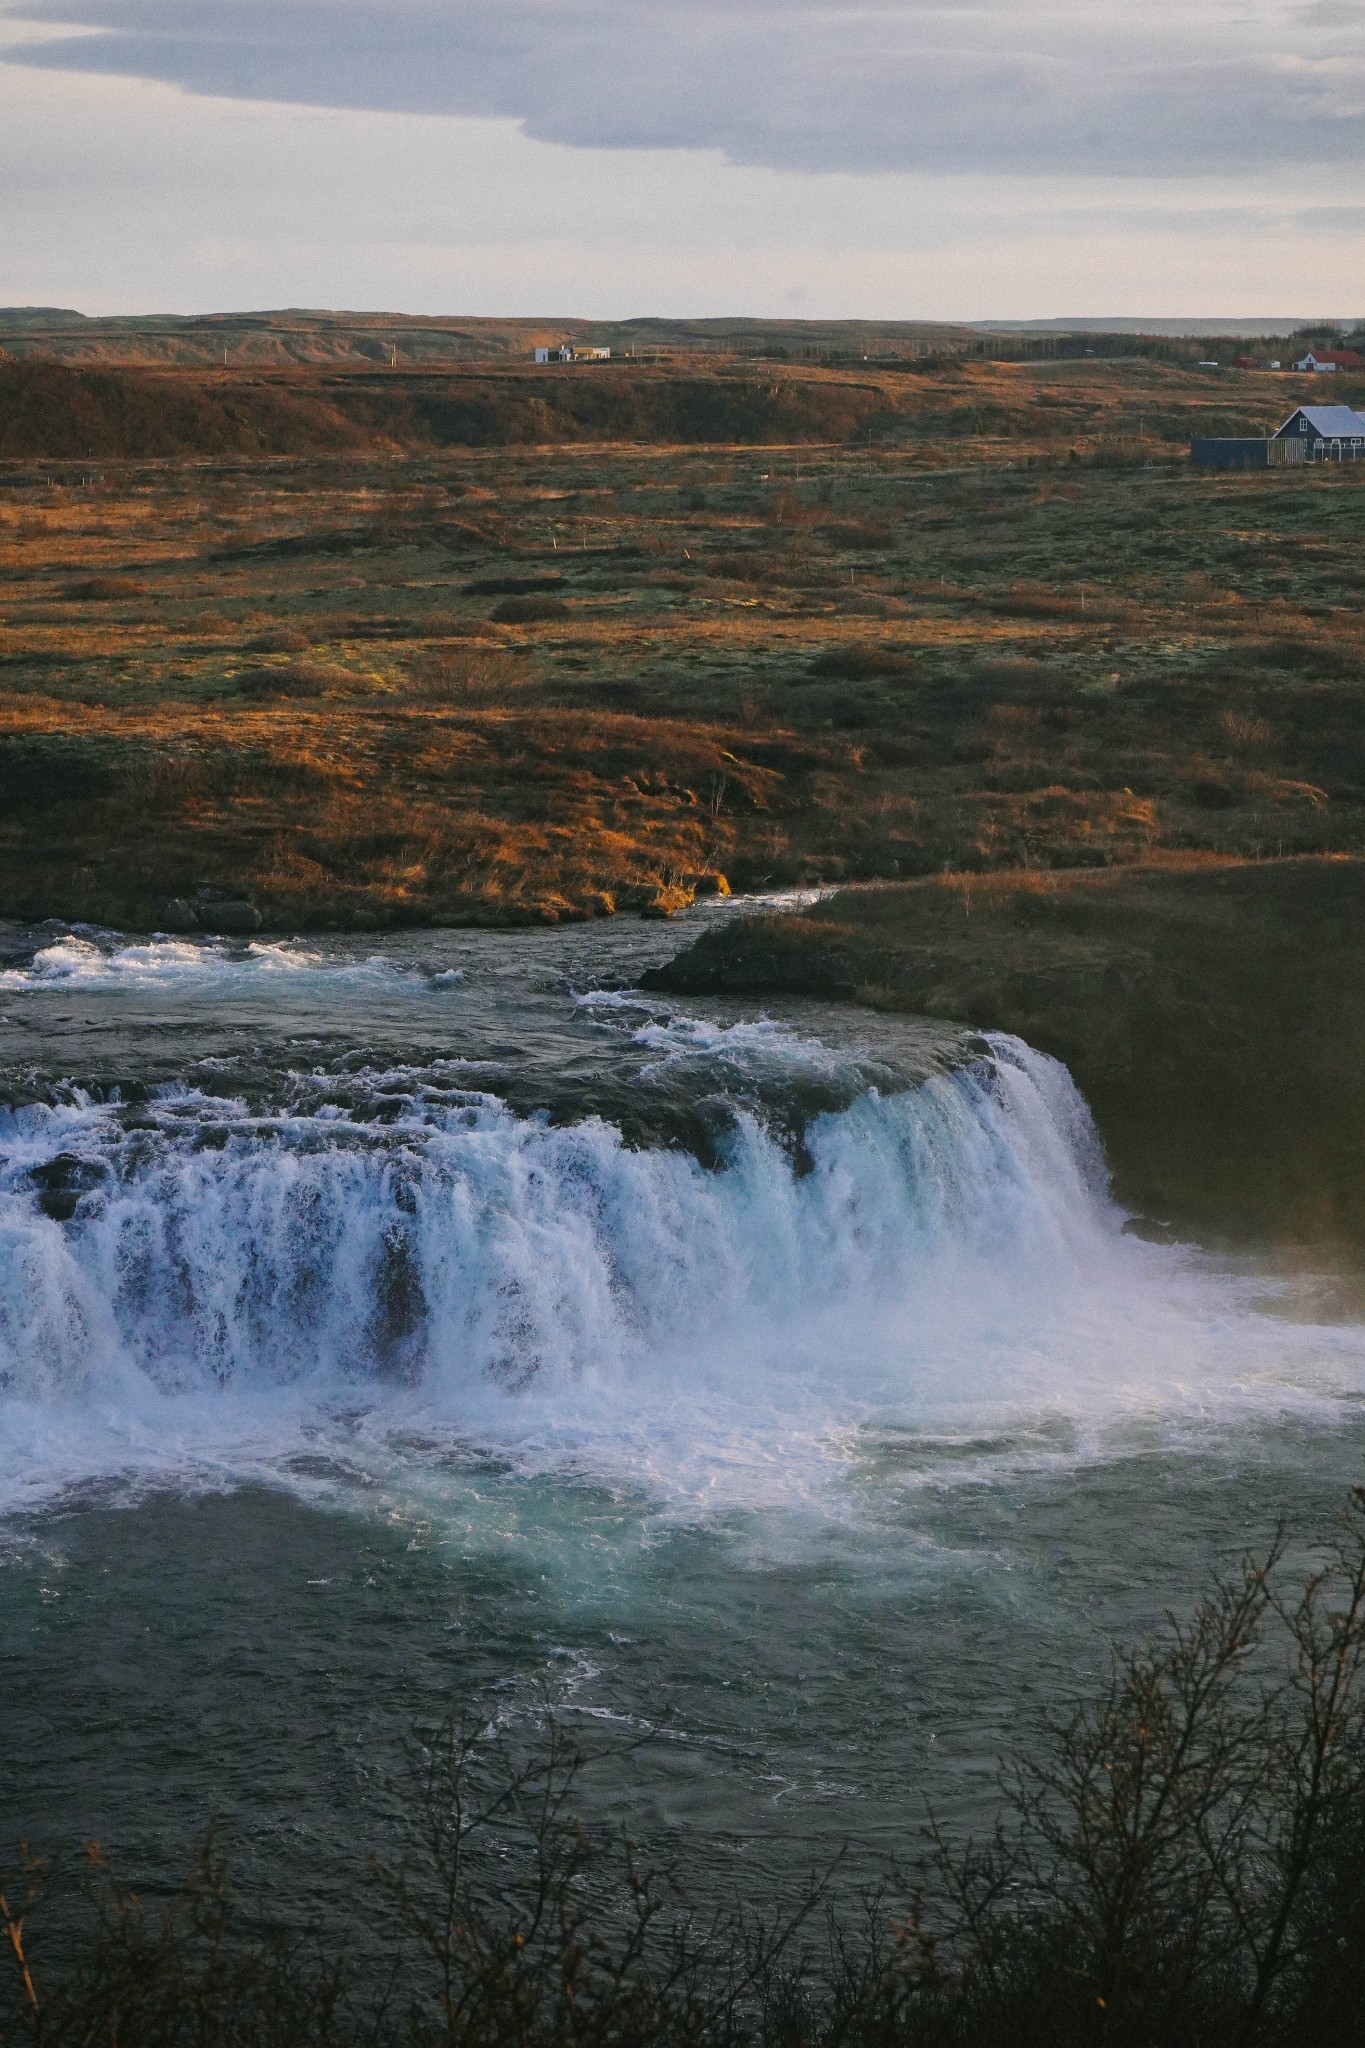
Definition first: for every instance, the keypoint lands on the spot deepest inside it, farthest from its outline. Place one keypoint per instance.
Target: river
(392, 1327)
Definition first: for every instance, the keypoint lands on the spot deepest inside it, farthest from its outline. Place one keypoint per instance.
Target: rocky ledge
(1213, 1014)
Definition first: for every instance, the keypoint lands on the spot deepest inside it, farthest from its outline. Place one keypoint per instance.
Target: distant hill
(23, 319)
(49, 410)
(300, 336)
(59, 411)
(305, 336)
(1252, 328)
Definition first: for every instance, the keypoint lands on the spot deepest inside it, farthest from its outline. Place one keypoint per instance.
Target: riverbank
(1212, 1014)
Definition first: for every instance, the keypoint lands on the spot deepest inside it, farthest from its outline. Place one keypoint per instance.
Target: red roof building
(1330, 359)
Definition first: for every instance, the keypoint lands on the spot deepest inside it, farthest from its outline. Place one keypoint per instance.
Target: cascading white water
(791, 1378)
(948, 1258)
(453, 1244)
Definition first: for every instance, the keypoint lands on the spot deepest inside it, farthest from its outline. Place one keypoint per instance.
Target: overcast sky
(894, 158)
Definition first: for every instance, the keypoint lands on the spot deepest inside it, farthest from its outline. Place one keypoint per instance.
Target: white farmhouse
(1325, 362)
(568, 353)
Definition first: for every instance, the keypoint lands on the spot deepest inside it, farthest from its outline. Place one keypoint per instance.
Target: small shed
(1228, 451)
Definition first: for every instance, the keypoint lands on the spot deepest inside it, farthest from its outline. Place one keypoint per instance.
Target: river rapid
(395, 1326)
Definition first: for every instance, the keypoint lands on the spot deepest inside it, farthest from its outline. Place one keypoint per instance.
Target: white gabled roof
(1333, 422)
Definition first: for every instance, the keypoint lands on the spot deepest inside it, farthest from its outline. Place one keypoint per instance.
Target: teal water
(390, 1331)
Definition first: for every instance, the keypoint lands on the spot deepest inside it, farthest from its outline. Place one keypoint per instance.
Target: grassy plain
(495, 645)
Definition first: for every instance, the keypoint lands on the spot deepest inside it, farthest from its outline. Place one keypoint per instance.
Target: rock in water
(178, 915)
(233, 917)
(222, 910)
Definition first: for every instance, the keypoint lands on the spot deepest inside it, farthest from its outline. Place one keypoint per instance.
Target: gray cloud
(1127, 87)
(1332, 14)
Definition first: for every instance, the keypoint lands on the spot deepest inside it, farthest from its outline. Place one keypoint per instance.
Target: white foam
(234, 1287)
(180, 964)
(682, 1039)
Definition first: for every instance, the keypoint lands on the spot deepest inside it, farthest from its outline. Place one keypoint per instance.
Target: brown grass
(462, 682)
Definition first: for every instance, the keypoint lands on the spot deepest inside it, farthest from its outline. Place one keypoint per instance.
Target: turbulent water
(382, 1325)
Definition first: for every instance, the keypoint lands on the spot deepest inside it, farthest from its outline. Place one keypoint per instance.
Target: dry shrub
(1213, 793)
(855, 533)
(1244, 731)
(595, 499)
(166, 781)
(103, 587)
(1014, 673)
(1119, 452)
(528, 611)
(469, 675)
(737, 567)
(1035, 601)
(300, 679)
(282, 640)
(37, 771)
(513, 586)
(171, 779)
(1312, 652)
(787, 509)
(862, 663)
(1013, 719)
(848, 713)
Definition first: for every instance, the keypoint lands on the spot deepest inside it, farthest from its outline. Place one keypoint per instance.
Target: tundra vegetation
(494, 644)
(1180, 1858)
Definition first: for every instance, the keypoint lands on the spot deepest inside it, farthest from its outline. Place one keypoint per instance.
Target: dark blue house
(1326, 433)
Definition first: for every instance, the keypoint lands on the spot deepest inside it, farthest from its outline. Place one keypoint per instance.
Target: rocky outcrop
(211, 910)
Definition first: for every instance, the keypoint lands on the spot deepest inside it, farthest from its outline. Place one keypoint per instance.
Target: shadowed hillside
(54, 410)
(50, 410)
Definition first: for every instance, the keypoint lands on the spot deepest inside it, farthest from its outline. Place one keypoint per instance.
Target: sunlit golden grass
(463, 682)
